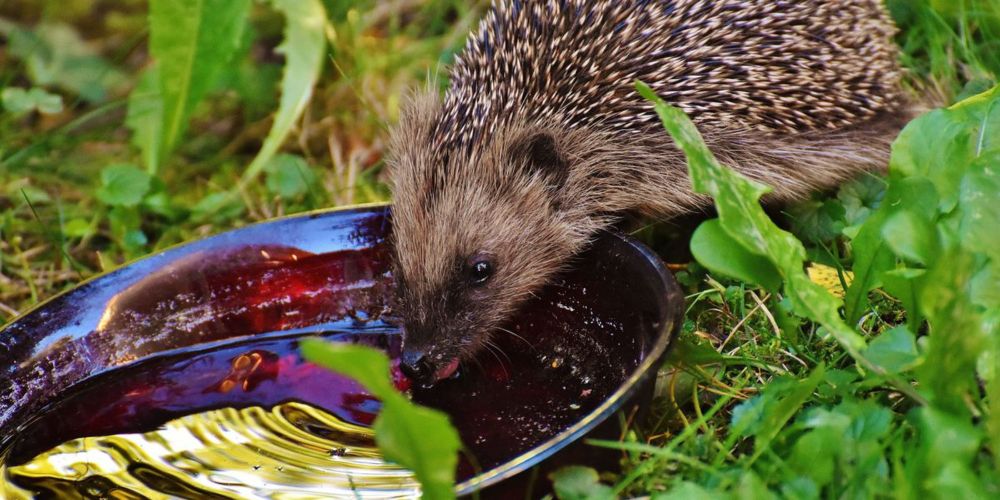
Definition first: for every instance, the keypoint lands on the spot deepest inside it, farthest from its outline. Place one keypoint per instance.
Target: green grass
(757, 398)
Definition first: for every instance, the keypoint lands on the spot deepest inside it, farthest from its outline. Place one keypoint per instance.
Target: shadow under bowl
(214, 324)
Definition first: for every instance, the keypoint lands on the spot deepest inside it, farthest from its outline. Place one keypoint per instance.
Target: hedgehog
(541, 140)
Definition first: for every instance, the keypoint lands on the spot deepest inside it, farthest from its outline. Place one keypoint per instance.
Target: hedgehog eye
(480, 270)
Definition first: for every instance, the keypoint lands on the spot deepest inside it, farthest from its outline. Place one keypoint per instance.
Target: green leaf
(123, 185)
(872, 254)
(217, 207)
(814, 455)
(22, 191)
(860, 197)
(45, 102)
(145, 118)
(55, 55)
(579, 483)
(765, 415)
(818, 221)
(947, 442)
(940, 145)
(420, 439)
(191, 41)
(931, 147)
(77, 228)
(714, 249)
(910, 237)
(135, 240)
(984, 289)
(304, 47)
(289, 176)
(743, 219)
(751, 486)
(17, 100)
(982, 114)
(894, 350)
(125, 225)
(367, 366)
(687, 490)
(958, 332)
(786, 408)
(979, 229)
(904, 284)
(689, 351)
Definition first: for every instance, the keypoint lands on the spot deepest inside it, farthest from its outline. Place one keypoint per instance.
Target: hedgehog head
(475, 232)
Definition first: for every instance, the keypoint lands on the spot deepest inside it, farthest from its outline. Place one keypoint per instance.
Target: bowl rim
(359, 207)
(535, 455)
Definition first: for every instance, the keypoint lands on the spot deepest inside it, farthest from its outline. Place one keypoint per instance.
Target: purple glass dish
(214, 324)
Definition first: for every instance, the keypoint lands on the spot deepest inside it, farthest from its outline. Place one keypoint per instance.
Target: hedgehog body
(541, 139)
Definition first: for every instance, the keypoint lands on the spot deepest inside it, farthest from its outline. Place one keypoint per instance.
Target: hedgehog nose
(415, 365)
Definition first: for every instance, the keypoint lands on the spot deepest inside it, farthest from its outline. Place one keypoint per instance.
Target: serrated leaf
(579, 483)
(418, 438)
(716, 250)
(123, 185)
(737, 201)
(304, 46)
(191, 41)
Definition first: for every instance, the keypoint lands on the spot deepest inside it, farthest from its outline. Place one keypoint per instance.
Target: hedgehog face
(473, 238)
(462, 268)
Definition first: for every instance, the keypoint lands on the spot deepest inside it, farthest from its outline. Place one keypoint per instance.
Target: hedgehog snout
(429, 355)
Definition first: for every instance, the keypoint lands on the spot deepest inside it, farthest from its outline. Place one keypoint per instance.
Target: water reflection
(293, 450)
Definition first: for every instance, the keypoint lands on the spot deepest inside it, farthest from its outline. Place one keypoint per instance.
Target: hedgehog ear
(543, 158)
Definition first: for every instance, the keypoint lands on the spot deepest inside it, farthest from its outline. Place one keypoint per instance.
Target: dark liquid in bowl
(502, 403)
(228, 409)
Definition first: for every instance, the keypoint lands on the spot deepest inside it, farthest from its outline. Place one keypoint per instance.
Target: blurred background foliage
(73, 193)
